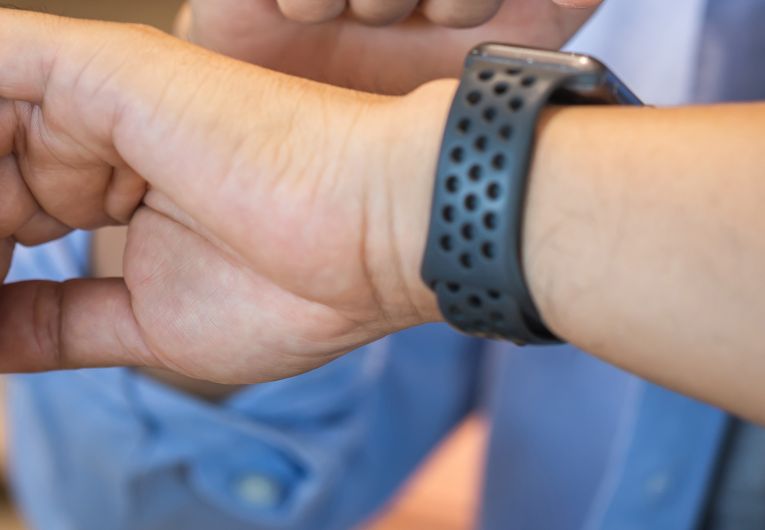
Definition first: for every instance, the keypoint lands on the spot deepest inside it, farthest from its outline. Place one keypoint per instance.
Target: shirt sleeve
(112, 449)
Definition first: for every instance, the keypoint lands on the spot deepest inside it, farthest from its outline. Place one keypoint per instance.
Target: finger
(70, 197)
(8, 126)
(214, 25)
(17, 206)
(230, 27)
(20, 214)
(23, 75)
(75, 182)
(69, 183)
(460, 13)
(6, 253)
(379, 13)
(77, 324)
(182, 23)
(41, 228)
(312, 11)
(124, 194)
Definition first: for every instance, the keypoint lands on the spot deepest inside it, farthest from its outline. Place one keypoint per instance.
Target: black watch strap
(473, 257)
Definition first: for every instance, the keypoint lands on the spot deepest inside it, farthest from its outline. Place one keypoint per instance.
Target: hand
(392, 60)
(268, 242)
(6, 247)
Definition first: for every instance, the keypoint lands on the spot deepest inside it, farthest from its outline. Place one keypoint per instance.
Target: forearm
(644, 243)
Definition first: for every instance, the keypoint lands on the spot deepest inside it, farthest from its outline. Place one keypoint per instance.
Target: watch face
(591, 81)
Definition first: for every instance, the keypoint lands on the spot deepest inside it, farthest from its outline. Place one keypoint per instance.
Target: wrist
(399, 199)
(402, 199)
(560, 213)
(412, 138)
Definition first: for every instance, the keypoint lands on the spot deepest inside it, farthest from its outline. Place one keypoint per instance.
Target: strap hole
(490, 220)
(493, 191)
(486, 75)
(446, 243)
(487, 249)
(468, 232)
(475, 173)
(481, 144)
(457, 155)
(448, 213)
(501, 89)
(452, 184)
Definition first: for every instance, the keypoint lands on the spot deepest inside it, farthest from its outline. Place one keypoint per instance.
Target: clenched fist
(453, 13)
(344, 50)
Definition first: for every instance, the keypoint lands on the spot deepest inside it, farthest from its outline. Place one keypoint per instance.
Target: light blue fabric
(575, 444)
(731, 63)
(668, 464)
(110, 449)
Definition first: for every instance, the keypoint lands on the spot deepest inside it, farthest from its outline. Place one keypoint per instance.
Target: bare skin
(267, 246)
(107, 255)
(259, 32)
(394, 59)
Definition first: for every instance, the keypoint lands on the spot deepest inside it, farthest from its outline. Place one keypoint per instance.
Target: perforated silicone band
(473, 256)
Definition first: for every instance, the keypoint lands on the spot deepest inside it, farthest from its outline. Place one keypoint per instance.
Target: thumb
(182, 23)
(6, 253)
(229, 26)
(127, 96)
(77, 324)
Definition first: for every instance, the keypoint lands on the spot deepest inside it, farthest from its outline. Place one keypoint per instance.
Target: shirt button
(259, 490)
(657, 485)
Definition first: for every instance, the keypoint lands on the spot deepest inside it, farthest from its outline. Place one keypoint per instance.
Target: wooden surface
(444, 493)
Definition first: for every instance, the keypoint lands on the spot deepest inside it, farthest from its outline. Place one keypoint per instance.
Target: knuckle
(381, 15)
(14, 212)
(464, 14)
(46, 319)
(312, 12)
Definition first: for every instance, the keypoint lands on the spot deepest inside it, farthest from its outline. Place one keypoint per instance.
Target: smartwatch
(473, 256)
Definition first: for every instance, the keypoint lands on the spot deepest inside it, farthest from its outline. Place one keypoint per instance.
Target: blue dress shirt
(576, 444)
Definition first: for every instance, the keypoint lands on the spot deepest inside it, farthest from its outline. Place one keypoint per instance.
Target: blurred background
(444, 493)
